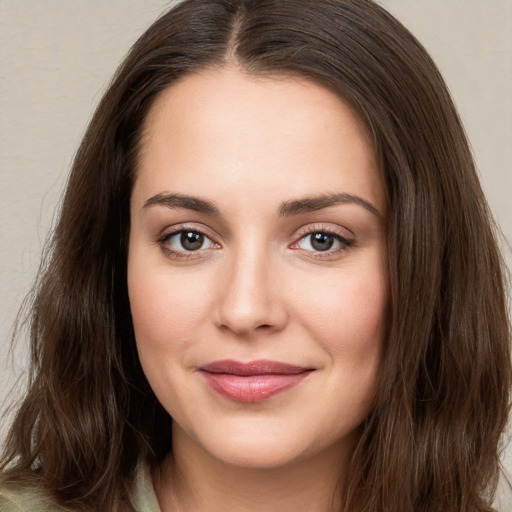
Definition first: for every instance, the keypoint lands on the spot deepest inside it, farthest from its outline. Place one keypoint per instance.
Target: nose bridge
(248, 298)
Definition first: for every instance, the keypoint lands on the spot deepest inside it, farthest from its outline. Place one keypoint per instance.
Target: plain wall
(57, 56)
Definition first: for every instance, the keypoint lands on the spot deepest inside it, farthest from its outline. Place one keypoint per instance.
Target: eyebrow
(287, 208)
(311, 204)
(183, 201)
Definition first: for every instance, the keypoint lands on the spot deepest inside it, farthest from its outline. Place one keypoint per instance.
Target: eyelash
(345, 243)
(182, 255)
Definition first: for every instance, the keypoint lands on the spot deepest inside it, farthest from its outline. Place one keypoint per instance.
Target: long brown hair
(432, 441)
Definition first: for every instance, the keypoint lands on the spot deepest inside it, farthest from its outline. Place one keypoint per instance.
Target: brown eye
(321, 241)
(191, 240)
(186, 241)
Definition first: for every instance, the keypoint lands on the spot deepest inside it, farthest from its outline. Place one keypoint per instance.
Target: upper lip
(259, 367)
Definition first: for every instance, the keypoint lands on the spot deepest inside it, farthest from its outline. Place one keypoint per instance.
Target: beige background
(56, 58)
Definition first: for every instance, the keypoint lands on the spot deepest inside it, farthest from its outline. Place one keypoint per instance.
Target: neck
(191, 479)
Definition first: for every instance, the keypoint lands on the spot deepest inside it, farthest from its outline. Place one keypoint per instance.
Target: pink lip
(254, 381)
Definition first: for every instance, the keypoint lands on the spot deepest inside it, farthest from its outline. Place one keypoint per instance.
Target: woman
(273, 234)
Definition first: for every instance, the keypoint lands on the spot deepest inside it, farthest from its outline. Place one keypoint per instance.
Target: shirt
(15, 499)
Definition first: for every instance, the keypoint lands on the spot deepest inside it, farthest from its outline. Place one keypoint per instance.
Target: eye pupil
(321, 241)
(191, 240)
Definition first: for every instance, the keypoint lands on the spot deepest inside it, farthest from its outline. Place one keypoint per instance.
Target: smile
(254, 381)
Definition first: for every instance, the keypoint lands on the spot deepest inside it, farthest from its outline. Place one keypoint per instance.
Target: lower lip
(252, 388)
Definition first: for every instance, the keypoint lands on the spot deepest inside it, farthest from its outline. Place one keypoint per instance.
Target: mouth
(253, 381)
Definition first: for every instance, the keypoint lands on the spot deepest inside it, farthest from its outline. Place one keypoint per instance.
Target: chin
(258, 456)
(261, 447)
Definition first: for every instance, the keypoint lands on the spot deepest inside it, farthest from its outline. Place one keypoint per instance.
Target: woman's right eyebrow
(183, 201)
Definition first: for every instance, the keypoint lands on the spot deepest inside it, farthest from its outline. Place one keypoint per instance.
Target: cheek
(166, 313)
(166, 308)
(352, 309)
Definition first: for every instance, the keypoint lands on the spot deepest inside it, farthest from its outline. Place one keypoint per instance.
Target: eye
(323, 241)
(186, 240)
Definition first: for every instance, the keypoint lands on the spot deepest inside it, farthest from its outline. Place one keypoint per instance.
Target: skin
(257, 288)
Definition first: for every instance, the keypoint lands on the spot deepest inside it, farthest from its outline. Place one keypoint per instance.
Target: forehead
(219, 128)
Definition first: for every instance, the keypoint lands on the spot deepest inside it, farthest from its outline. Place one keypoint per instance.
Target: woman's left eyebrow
(311, 204)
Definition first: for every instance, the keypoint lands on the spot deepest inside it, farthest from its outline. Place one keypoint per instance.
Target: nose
(250, 298)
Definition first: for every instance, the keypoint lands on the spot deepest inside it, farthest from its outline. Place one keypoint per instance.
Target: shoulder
(23, 498)
(15, 498)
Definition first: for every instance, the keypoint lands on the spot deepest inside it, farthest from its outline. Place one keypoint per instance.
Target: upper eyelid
(323, 228)
(172, 231)
(178, 228)
(341, 238)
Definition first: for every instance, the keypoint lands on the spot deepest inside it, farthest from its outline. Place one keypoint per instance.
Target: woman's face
(257, 267)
